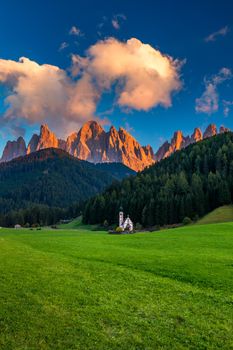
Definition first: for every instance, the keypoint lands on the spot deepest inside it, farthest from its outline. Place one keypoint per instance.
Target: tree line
(39, 215)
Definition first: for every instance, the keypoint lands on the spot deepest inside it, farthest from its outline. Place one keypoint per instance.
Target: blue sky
(199, 33)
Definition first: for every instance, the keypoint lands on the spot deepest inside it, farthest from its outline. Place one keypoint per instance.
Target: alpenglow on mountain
(94, 144)
(90, 143)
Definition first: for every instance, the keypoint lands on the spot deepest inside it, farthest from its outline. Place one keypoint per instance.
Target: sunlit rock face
(94, 144)
(197, 135)
(133, 154)
(46, 139)
(148, 151)
(90, 142)
(14, 149)
(180, 141)
(210, 131)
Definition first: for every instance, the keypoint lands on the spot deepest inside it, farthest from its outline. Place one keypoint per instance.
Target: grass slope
(221, 214)
(79, 290)
(76, 224)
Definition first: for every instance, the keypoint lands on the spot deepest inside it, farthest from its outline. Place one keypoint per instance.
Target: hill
(80, 290)
(191, 182)
(52, 178)
(222, 214)
(117, 170)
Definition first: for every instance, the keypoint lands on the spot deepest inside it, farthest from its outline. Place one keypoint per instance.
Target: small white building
(127, 224)
(17, 226)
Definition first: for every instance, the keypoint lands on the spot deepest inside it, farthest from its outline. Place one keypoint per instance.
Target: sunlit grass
(83, 290)
(221, 214)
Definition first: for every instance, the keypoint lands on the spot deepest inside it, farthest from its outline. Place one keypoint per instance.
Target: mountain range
(94, 144)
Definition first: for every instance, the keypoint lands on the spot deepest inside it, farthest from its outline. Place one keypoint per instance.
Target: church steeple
(121, 217)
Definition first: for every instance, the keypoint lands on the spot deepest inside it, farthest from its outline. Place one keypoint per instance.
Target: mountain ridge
(179, 141)
(94, 144)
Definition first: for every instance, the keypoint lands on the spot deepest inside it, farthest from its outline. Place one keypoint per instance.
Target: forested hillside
(48, 184)
(190, 183)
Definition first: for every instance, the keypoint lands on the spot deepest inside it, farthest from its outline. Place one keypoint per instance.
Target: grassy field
(221, 214)
(90, 290)
(77, 224)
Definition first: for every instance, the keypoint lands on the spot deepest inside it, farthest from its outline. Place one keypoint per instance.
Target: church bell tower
(121, 217)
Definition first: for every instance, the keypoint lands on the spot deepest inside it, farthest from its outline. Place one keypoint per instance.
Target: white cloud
(128, 127)
(209, 101)
(75, 31)
(141, 76)
(227, 107)
(221, 32)
(117, 19)
(45, 93)
(115, 24)
(63, 46)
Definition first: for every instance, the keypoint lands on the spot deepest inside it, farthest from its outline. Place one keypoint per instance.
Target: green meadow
(77, 289)
(221, 214)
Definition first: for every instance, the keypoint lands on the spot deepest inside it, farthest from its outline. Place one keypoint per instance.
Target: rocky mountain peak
(124, 135)
(197, 135)
(32, 145)
(14, 149)
(93, 144)
(149, 151)
(210, 131)
(180, 141)
(91, 129)
(70, 142)
(47, 138)
(162, 151)
(113, 131)
(177, 140)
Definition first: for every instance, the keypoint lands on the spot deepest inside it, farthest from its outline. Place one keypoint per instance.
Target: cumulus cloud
(35, 92)
(117, 19)
(45, 93)
(143, 77)
(140, 76)
(221, 32)
(209, 101)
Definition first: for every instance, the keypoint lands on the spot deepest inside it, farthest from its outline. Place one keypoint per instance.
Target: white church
(127, 224)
